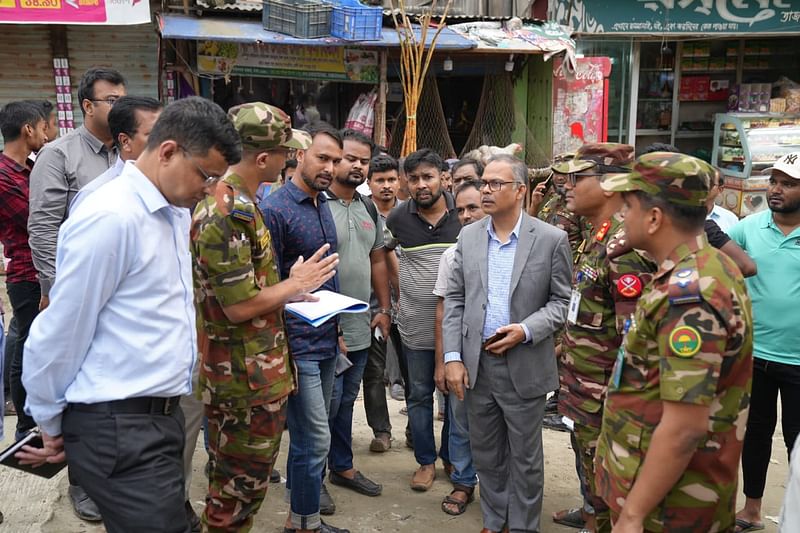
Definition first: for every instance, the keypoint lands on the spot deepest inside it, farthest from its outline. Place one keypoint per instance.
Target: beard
(316, 183)
(351, 179)
(428, 202)
(785, 207)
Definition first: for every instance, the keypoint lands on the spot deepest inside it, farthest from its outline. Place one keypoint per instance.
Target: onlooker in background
(503, 305)
(772, 239)
(300, 222)
(24, 131)
(64, 166)
(289, 170)
(466, 169)
(50, 114)
(107, 361)
(447, 179)
(424, 226)
(725, 219)
(463, 476)
(721, 241)
(383, 182)
(402, 193)
(359, 236)
(130, 120)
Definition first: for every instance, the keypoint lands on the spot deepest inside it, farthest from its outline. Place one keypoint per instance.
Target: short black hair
(122, 117)
(290, 163)
(357, 136)
(45, 106)
(424, 156)
(323, 128)
(660, 147)
(467, 162)
(382, 163)
(467, 184)
(92, 76)
(684, 217)
(197, 125)
(15, 115)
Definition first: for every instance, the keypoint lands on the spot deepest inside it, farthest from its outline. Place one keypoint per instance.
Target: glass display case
(745, 145)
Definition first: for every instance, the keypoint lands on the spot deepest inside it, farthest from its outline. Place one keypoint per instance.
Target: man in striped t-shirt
(425, 226)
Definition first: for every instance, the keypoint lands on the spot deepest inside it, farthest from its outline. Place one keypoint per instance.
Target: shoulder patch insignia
(242, 215)
(684, 287)
(685, 341)
(629, 285)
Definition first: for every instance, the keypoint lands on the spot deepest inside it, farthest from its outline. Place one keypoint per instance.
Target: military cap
(677, 178)
(609, 158)
(264, 127)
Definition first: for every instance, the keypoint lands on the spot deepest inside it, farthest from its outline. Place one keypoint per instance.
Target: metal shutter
(133, 50)
(27, 71)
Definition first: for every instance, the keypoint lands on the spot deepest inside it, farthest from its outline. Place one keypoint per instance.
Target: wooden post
(379, 132)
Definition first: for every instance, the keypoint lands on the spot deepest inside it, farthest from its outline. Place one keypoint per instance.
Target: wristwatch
(383, 311)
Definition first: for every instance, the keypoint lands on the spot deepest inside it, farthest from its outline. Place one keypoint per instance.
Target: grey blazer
(540, 293)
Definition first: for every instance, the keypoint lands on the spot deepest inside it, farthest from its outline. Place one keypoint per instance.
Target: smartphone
(548, 182)
(494, 338)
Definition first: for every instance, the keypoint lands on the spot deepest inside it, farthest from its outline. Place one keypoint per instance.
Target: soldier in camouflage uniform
(607, 281)
(677, 403)
(246, 371)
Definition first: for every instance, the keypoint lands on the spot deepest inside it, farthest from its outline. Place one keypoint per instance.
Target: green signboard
(678, 16)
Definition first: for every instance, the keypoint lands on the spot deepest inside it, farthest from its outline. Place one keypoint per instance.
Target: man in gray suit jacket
(510, 285)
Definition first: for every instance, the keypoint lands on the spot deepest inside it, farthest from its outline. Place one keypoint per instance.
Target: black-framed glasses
(573, 177)
(111, 100)
(494, 185)
(208, 179)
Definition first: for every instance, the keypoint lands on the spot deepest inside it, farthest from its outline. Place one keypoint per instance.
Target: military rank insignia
(603, 231)
(685, 341)
(629, 285)
(587, 271)
(242, 215)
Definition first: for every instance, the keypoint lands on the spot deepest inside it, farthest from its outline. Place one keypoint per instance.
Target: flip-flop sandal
(572, 518)
(460, 505)
(743, 525)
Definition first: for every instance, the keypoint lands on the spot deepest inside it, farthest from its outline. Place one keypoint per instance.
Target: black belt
(131, 406)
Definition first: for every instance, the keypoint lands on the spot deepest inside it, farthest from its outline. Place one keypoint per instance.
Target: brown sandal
(460, 505)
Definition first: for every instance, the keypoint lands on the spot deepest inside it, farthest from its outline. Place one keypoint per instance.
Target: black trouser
(397, 342)
(24, 297)
(8, 356)
(131, 465)
(374, 389)
(768, 379)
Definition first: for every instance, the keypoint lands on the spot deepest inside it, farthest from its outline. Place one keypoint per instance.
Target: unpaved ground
(35, 505)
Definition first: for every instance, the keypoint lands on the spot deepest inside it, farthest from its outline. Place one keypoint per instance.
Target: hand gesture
(53, 452)
(457, 378)
(310, 274)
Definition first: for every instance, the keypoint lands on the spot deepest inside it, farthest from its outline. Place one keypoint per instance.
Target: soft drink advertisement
(116, 12)
(580, 103)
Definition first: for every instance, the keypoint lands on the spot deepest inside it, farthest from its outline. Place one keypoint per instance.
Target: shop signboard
(580, 101)
(678, 16)
(334, 63)
(108, 12)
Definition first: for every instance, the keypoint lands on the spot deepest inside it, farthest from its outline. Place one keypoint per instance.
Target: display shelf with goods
(656, 86)
(745, 146)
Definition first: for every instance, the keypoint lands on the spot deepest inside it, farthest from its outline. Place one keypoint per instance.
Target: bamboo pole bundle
(414, 62)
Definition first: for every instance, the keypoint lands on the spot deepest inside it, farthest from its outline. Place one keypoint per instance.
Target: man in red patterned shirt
(24, 130)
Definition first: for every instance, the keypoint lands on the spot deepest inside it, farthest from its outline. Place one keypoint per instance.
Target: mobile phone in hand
(493, 339)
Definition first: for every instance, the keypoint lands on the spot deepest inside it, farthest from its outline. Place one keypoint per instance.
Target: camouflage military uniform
(690, 341)
(246, 372)
(554, 211)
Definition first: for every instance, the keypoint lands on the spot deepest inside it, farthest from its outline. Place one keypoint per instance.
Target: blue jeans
(460, 453)
(345, 392)
(310, 440)
(420, 404)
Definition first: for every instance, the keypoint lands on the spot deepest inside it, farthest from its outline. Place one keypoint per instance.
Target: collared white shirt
(725, 219)
(121, 319)
(99, 181)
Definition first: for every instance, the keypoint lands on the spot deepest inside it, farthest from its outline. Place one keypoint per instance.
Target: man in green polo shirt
(772, 239)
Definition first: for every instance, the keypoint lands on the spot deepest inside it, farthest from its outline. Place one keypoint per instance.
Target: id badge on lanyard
(620, 362)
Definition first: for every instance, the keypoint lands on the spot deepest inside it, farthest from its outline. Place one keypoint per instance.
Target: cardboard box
(745, 196)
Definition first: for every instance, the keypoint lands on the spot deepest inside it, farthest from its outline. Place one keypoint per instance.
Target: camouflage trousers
(585, 437)
(243, 445)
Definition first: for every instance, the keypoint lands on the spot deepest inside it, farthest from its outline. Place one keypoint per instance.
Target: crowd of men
(153, 250)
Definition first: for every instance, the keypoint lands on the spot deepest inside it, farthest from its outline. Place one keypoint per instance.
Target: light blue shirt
(775, 289)
(725, 219)
(500, 265)
(121, 319)
(114, 171)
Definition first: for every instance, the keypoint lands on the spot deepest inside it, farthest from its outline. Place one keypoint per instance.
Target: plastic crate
(303, 19)
(353, 21)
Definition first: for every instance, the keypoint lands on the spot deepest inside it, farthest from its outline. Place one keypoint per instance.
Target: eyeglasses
(111, 100)
(494, 185)
(573, 178)
(209, 180)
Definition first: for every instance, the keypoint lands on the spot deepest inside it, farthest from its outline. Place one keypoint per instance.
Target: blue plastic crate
(299, 18)
(353, 21)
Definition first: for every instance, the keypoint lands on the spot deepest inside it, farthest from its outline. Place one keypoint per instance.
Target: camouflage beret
(677, 178)
(264, 127)
(598, 155)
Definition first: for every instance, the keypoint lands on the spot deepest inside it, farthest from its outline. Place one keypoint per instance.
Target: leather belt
(131, 406)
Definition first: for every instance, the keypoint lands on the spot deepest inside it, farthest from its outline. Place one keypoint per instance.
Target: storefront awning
(251, 31)
(515, 37)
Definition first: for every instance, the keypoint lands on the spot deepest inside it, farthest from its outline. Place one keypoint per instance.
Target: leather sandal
(461, 505)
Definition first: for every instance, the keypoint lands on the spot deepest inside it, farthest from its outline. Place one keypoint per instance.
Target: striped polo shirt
(423, 244)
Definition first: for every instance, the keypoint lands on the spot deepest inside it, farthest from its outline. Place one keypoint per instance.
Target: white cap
(789, 165)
